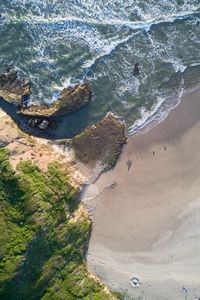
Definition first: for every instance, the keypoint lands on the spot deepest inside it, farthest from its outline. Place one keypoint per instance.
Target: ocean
(57, 43)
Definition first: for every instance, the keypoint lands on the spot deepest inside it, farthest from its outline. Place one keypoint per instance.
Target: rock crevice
(13, 87)
(17, 90)
(70, 100)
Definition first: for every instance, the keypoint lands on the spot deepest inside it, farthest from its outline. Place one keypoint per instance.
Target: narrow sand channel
(148, 224)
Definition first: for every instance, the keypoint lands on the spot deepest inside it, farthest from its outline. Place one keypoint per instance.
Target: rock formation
(13, 87)
(70, 100)
(100, 145)
(16, 90)
(42, 123)
(136, 70)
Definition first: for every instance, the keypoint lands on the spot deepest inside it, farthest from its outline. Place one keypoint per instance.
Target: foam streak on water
(57, 43)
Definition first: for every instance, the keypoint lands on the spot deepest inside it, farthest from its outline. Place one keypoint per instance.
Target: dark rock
(33, 122)
(44, 124)
(1, 19)
(70, 100)
(13, 87)
(101, 144)
(136, 69)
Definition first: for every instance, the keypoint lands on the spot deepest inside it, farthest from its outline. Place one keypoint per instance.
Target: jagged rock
(13, 87)
(33, 122)
(100, 145)
(16, 89)
(42, 124)
(136, 70)
(70, 100)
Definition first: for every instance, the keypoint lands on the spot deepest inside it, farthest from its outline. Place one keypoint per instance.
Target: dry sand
(147, 221)
(23, 147)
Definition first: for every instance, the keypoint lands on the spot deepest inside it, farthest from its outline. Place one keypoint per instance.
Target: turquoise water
(61, 42)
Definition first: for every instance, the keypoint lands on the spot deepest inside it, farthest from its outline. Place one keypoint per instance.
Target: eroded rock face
(100, 145)
(13, 87)
(70, 100)
(41, 123)
(16, 89)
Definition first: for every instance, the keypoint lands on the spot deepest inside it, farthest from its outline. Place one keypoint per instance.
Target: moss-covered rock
(70, 100)
(101, 144)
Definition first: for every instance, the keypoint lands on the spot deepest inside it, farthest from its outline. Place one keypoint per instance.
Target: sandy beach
(147, 219)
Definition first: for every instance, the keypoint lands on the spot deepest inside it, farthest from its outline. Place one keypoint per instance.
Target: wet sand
(147, 220)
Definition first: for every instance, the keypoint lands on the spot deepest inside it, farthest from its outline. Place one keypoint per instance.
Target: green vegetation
(43, 236)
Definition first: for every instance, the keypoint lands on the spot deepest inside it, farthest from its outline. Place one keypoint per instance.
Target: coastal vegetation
(44, 233)
(44, 230)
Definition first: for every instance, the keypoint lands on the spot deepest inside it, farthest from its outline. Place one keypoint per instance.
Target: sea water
(57, 43)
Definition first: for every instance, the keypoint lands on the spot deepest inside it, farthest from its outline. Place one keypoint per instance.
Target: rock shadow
(66, 126)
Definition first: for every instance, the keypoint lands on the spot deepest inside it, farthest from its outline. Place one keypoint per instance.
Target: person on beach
(129, 164)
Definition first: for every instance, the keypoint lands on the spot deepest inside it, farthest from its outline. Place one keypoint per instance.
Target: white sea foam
(146, 116)
(195, 64)
(112, 10)
(106, 28)
(178, 66)
(107, 49)
(66, 82)
(158, 113)
(76, 21)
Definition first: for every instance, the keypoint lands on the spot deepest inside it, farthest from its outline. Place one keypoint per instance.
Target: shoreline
(150, 220)
(148, 125)
(145, 151)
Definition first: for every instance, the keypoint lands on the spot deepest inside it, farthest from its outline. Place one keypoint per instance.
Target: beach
(108, 92)
(147, 218)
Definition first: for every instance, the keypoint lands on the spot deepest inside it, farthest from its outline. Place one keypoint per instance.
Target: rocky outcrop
(42, 123)
(70, 100)
(100, 145)
(13, 87)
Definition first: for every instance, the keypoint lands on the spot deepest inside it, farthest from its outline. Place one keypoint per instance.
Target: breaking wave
(61, 43)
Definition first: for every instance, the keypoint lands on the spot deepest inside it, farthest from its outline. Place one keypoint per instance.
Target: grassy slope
(41, 246)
